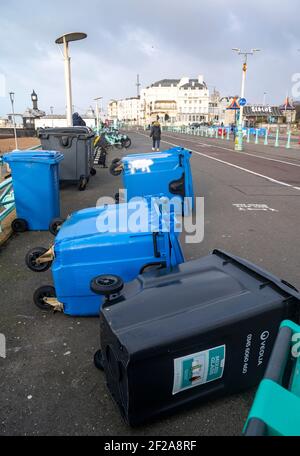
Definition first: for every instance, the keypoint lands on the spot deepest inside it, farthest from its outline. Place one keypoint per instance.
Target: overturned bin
(105, 240)
(171, 339)
(35, 177)
(161, 173)
(276, 408)
(76, 143)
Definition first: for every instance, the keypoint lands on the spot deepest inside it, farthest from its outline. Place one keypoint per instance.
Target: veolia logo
(263, 337)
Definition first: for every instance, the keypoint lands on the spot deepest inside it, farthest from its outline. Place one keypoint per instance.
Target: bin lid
(46, 156)
(85, 132)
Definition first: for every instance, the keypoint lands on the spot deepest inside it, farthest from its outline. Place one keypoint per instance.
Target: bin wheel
(107, 285)
(46, 291)
(117, 198)
(127, 143)
(119, 145)
(116, 160)
(19, 225)
(93, 172)
(55, 225)
(31, 257)
(115, 164)
(98, 360)
(82, 184)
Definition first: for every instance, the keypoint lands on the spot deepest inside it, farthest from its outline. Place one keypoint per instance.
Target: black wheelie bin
(205, 329)
(76, 143)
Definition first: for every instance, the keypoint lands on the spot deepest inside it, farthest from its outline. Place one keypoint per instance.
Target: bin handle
(280, 355)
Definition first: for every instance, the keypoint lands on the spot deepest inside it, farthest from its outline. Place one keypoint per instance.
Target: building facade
(174, 101)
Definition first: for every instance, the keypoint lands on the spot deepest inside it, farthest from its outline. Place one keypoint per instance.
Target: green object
(228, 134)
(276, 409)
(256, 137)
(288, 144)
(277, 138)
(266, 138)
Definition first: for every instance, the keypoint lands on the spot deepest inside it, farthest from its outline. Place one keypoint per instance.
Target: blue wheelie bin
(103, 240)
(35, 178)
(161, 173)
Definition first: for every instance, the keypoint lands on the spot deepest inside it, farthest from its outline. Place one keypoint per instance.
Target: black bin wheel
(107, 285)
(115, 164)
(55, 225)
(117, 198)
(31, 257)
(47, 291)
(98, 360)
(19, 225)
(127, 143)
(93, 172)
(82, 184)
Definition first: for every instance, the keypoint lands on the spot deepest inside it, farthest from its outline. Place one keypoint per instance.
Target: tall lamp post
(65, 40)
(12, 100)
(97, 112)
(239, 143)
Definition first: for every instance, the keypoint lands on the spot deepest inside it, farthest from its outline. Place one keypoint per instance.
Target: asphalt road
(49, 385)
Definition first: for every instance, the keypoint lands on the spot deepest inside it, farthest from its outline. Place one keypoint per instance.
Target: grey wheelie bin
(76, 143)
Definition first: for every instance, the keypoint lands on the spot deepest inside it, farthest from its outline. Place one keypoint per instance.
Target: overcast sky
(157, 39)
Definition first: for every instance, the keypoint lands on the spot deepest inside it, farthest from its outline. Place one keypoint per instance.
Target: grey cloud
(159, 38)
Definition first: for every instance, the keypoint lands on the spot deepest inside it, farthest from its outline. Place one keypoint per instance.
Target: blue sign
(242, 101)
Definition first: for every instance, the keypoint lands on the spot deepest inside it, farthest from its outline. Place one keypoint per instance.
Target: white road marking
(231, 150)
(254, 207)
(270, 179)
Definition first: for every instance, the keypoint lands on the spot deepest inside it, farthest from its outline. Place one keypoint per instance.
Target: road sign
(242, 101)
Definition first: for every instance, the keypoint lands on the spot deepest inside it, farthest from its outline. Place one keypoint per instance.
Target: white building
(176, 101)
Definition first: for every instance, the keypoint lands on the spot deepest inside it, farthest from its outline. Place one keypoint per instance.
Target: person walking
(155, 134)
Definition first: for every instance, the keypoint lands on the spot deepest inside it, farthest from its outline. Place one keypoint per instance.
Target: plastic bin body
(161, 173)
(276, 407)
(76, 143)
(82, 252)
(35, 177)
(204, 330)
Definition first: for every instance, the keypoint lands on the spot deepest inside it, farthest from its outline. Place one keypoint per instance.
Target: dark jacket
(155, 131)
(78, 120)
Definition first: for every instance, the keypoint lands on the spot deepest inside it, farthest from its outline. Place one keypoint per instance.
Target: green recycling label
(197, 369)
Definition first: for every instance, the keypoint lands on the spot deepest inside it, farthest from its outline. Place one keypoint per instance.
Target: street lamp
(265, 94)
(12, 100)
(65, 39)
(97, 112)
(239, 143)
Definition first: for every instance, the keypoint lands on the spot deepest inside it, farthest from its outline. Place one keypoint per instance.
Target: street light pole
(97, 112)
(65, 39)
(12, 100)
(265, 94)
(239, 143)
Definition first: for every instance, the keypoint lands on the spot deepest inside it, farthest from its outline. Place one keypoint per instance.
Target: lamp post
(239, 143)
(265, 94)
(12, 100)
(97, 112)
(65, 40)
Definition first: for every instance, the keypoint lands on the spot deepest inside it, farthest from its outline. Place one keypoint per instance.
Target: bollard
(216, 133)
(266, 138)
(277, 138)
(288, 144)
(223, 133)
(228, 134)
(256, 136)
(248, 135)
